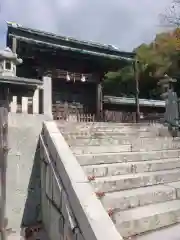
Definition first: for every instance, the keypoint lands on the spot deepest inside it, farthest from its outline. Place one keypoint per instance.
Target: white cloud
(125, 23)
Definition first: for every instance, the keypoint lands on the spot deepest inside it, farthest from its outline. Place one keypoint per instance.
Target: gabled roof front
(67, 43)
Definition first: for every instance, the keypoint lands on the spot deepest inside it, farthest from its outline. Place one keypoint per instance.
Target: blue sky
(124, 23)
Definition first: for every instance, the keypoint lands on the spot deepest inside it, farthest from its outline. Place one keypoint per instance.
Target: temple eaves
(51, 40)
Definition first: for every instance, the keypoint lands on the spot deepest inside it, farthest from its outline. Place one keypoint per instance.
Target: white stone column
(36, 101)
(47, 96)
(13, 104)
(24, 104)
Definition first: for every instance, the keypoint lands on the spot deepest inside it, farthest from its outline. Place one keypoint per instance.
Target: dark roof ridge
(99, 46)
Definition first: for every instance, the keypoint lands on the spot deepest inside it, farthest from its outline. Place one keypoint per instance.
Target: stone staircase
(135, 171)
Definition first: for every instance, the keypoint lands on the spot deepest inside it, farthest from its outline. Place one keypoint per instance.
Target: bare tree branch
(172, 16)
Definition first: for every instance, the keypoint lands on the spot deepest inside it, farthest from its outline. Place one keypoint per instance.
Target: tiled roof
(67, 43)
(131, 101)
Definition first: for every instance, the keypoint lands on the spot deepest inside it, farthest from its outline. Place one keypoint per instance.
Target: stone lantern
(14, 88)
(8, 63)
(171, 115)
(166, 84)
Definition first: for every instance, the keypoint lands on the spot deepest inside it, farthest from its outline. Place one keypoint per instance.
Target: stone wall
(23, 171)
(70, 208)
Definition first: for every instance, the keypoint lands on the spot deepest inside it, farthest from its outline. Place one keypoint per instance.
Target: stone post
(36, 101)
(24, 104)
(166, 85)
(13, 104)
(47, 96)
(171, 115)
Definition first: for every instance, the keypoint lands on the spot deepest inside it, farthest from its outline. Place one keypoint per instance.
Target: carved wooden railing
(72, 113)
(117, 116)
(77, 113)
(130, 117)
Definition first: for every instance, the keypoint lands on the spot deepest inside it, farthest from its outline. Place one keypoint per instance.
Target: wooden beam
(99, 103)
(136, 70)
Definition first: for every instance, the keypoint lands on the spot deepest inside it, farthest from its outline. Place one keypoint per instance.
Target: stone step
(123, 138)
(92, 130)
(155, 144)
(136, 146)
(171, 232)
(119, 141)
(130, 181)
(100, 149)
(105, 125)
(104, 170)
(91, 134)
(99, 124)
(147, 218)
(110, 129)
(127, 199)
(100, 158)
(110, 126)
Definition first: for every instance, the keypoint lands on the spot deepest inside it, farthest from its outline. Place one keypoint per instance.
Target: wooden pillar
(136, 70)
(99, 103)
(47, 96)
(36, 101)
(24, 104)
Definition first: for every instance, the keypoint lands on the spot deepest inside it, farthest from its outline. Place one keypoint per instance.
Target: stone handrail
(70, 208)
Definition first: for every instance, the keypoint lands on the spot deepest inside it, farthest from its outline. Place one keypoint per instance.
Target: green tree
(156, 59)
(120, 83)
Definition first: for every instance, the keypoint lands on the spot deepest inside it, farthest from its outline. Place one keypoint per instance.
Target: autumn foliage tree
(158, 58)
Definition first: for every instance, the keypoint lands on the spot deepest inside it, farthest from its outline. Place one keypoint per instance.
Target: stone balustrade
(70, 208)
(24, 103)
